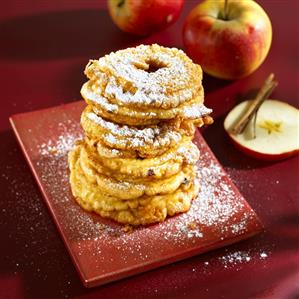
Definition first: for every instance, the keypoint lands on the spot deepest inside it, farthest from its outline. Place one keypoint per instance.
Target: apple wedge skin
(262, 156)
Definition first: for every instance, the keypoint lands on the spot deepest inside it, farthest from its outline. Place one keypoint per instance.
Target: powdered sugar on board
(63, 143)
(216, 214)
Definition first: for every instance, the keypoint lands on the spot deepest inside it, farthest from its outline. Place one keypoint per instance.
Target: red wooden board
(101, 250)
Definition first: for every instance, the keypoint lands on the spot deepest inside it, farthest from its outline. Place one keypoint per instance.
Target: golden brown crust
(136, 162)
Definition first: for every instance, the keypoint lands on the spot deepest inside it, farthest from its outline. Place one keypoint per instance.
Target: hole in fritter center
(150, 65)
(154, 65)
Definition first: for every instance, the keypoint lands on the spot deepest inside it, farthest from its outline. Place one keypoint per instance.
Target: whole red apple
(143, 17)
(229, 39)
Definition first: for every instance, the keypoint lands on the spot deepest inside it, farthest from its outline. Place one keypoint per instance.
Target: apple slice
(277, 130)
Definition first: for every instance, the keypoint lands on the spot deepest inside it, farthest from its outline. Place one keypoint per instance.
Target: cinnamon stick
(225, 11)
(261, 96)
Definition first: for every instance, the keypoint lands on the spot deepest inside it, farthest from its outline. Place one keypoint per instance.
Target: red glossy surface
(100, 249)
(44, 48)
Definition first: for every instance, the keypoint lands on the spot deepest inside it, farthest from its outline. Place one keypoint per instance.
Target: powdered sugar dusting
(235, 257)
(157, 136)
(149, 88)
(196, 111)
(57, 147)
(215, 213)
(100, 100)
(63, 143)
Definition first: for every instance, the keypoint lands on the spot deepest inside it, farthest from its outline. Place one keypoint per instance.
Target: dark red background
(44, 46)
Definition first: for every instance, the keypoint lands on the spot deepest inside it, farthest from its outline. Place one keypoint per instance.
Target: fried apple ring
(144, 210)
(146, 76)
(130, 188)
(152, 140)
(193, 109)
(165, 165)
(91, 156)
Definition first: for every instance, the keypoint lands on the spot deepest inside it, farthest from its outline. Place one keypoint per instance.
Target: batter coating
(136, 164)
(146, 77)
(138, 116)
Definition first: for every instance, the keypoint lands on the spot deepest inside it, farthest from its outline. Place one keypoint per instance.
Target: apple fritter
(143, 210)
(130, 188)
(146, 77)
(193, 109)
(136, 163)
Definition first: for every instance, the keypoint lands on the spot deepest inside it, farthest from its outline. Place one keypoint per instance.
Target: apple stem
(225, 13)
(120, 3)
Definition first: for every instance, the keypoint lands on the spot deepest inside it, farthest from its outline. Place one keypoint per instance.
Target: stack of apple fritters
(136, 164)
